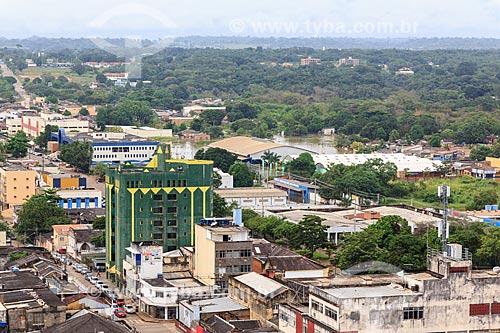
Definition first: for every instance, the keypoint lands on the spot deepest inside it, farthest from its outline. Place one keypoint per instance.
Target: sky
(285, 18)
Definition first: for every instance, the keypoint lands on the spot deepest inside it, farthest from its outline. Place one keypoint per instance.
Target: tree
(302, 166)
(99, 170)
(417, 132)
(222, 158)
(480, 153)
(84, 112)
(242, 177)
(18, 145)
(99, 241)
(44, 138)
(489, 252)
(66, 113)
(101, 78)
(435, 141)
(221, 208)
(78, 154)
(212, 117)
(39, 213)
(99, 223)
(482, 199)
(217, 179)
(311, 234)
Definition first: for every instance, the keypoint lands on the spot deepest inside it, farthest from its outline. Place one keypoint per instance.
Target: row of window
(233, 269)
(159, 235)
(159, 223)
(413, 312)
(329, 312)
(126, 156)
(123, 149)
(484, 309)
(233, 254)
(159, 183)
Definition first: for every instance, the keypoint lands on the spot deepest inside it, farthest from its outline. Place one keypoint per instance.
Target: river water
(318, 144)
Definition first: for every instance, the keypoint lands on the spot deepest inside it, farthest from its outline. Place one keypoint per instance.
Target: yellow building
(16, 185)
(61, 234)
(494, 162)
(64, 181)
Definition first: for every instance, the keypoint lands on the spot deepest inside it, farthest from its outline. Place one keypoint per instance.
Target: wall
(18, 186)
(204, 257)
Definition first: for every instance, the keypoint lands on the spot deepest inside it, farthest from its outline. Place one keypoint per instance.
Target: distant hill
(56, 44)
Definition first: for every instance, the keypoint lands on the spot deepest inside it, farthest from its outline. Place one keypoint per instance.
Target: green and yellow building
(160, 202)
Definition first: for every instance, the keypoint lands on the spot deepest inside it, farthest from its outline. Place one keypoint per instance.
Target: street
(18, 86)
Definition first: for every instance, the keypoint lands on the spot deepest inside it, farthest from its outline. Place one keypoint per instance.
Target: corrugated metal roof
(261, 284)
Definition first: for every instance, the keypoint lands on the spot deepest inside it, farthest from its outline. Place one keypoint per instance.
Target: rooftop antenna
(444, 194)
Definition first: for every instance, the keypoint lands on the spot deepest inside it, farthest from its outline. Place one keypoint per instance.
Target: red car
(120, 313)
(120, 302)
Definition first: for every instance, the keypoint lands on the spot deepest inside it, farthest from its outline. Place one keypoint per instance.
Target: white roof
(402, 161)
(261, 284)
(369, 292)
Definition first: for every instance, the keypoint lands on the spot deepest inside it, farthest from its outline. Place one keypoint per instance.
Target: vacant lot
(34, 72)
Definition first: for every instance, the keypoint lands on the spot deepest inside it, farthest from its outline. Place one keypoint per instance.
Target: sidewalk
(147, 318)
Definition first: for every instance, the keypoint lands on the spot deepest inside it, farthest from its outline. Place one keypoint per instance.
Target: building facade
(160, 202)
(120, 152)
(17, 184)
(221, 251)
(70, 199)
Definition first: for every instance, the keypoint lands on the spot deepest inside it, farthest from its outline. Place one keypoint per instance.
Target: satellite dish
(496, 269)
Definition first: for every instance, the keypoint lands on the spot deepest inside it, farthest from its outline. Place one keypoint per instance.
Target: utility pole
(444, 194)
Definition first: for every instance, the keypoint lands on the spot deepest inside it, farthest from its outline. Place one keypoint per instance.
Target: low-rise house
(80, 243)
(61, 235)
(84, 301)
(194, 135)
(260, 294)
(159, 297)
(32, 310)
(251, 197)
(89, 322)
(274, 260)
(217, 324)
(194, 310)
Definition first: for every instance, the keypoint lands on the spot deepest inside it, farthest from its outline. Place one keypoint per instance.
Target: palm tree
(268, 158)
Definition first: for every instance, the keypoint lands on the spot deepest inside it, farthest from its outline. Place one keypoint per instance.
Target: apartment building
(17, 184)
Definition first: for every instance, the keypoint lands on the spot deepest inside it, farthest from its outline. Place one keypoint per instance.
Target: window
(317, 306)
(140, 222)
(245, 253)
(158, 210)
(61, 239)
(172, 223)
(157, 223)
(157, 235)
(220, 254)
(245, 268)
(331, 313)
(171, 210)
(159, 294)
(38, 319)
(171, 235)
(157, 197)
(416, 312)
(479, 309)
(229, 269)
(222, 284)
(172, 197)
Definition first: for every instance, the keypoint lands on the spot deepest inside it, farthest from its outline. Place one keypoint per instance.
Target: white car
(129, 308)
(98, 284)
(94, 279)
(103, 287)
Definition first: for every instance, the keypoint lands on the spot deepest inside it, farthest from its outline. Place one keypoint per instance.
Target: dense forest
(452, 93)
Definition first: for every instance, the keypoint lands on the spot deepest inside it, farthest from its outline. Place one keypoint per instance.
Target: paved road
(17, 86)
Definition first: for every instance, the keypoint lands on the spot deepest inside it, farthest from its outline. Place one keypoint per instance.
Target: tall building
(221, 250)
(160, 202)
(17, 184)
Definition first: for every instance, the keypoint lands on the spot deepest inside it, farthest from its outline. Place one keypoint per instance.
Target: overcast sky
(287, 18)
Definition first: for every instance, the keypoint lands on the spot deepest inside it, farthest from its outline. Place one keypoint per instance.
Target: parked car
(85, 271)
(104, 287)
(98, 284)
(94, 279)
(120, 302)
(129, 308)
(120, 313)
(88, 276)
(114, 306)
